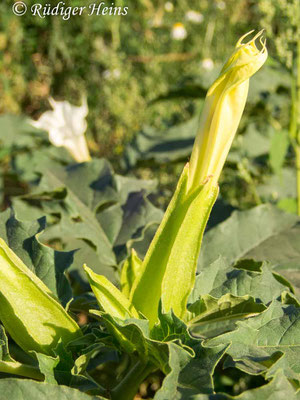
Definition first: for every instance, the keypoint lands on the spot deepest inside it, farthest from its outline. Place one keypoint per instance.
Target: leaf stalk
(128, 387)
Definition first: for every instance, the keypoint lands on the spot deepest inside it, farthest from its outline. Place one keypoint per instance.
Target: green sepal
(28, 310)
(129, 273)
(169, 268)
(110, 298)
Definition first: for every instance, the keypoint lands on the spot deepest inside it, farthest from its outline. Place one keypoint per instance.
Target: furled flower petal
(223, 108)
(66, 125)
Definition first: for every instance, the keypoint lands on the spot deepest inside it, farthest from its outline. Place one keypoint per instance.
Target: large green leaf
(172, 144)
(253, 143)
(265, 343)
(262, 233)
(244, 278)
(91, 208)
(278, 389)
(191, 376)
(280, 186)
(267, 82)
(16, 132)
(234, 283)
(18, 389)
(279, 147)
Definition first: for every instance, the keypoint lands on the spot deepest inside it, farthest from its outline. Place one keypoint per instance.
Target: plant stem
(16, 368)
(294, 130)
(115, 29)
(128, 387)
(248, 179)
(297, 116)
(297, 150)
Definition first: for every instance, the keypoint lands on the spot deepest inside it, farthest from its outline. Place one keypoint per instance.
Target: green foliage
(243, 310)
(48, 264)
(91, 207)
(23, 389)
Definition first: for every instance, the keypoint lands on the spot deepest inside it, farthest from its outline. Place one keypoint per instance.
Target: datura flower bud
(167, 273)
(28, 310)
(223, 109)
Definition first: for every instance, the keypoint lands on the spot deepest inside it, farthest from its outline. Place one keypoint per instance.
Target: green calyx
(28, 310)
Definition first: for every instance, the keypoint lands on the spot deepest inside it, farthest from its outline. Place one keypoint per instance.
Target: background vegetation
(127, 66)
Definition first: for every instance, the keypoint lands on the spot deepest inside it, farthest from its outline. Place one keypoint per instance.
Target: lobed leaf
(265, 343)
(209, 309)
(19, 389)
(279, 388)
(90, 207)
(48, 264)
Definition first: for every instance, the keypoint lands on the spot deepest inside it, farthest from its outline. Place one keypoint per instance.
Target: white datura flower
(222, 111)
(66, 126)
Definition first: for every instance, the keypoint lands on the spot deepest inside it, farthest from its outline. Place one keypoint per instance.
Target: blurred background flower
(194, 16)
(169, 7)
(207, 63)
(178, 31)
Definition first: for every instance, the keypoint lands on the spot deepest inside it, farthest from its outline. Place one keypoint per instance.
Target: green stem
(297, 116)
(128, 387)
(248, 179)
(115, 29)
(16, 368)
(297, 150)
(294, 130)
